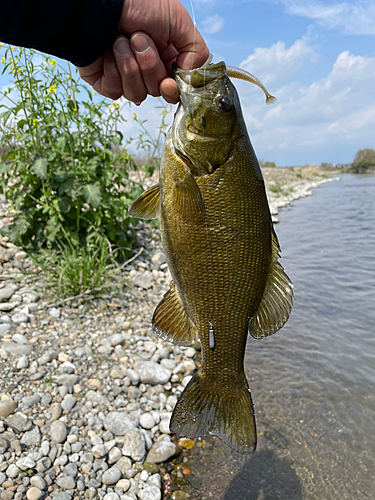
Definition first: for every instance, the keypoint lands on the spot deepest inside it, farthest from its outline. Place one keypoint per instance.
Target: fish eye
(225, 103)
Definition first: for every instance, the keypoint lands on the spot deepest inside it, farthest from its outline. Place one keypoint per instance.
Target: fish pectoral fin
(274, 310)
(227, 412)
(170, 321)
(147, 206)
(187, 198)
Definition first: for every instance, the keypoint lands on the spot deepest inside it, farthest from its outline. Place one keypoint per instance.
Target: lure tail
(226, 412)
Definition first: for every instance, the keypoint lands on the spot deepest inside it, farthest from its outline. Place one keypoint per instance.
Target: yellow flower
(116, 105)
(53, 62)
(35, 121)
(165, 112)
(52, 88)
(1, 44)
(19, 70)
(3, 60)
(94, 92)
(134, 116)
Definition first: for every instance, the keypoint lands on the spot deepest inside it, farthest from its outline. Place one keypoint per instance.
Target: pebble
(26, 463)
(63, 495)
(20, 317)
(22, 363)
(7, 292)
(134, 445)
(111, 476)
(161, 451)
(54, 312)
(38, 482)
(147, 421)
(18, 422)
(34, 493)
(119, 423)
(19, 339)
(58, 431)
(68, 403)
(152, 373)
(5, 328)
(150, 493)
(7, 406)
(31, 437)
(66, 482)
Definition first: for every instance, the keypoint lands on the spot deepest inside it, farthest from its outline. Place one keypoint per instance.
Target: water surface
(314, 381)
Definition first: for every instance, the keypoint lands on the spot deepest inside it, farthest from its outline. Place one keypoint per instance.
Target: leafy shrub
(364, 161)
(63, 166)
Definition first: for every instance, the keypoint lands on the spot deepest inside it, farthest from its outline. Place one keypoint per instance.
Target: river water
(313, 382)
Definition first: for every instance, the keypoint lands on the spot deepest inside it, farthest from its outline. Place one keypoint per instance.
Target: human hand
(158, 32)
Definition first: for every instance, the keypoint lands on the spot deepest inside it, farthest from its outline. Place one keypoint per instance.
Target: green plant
(364, 161)
(63, 165)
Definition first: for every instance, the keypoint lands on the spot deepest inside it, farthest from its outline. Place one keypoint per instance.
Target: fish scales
(222, 253)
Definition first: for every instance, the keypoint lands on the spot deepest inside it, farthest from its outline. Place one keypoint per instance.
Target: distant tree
(364, 161)
(269, 164)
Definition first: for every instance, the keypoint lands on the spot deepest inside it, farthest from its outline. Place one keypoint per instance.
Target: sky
(316, 57)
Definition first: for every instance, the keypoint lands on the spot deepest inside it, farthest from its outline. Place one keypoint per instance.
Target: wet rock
(161, 451)
(152, 373)
(7, 406)
(119, 423)
(32, 437)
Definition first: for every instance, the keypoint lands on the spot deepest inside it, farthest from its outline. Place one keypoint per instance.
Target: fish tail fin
(226, 412)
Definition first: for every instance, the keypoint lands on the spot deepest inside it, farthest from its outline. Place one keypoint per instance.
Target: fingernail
(140, 43)
(122, 47)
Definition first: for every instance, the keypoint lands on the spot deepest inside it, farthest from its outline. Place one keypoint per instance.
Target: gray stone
(68, 403)
(17, 349)
(32, 437)
(87, 457)
(30, 297)
(38, 482)
(19, 339)
(58, 431)
(119, 423)
(26, 463)
(134, 445)
(158, 259)
(152, 373)
(23, 363)
(71, 470)
(66, 367)
(67, 380)
(55, 411)
(7, 406)
(124, 464)
(114, 455)
(31, 400)
(99, 450)
(18, 422)
(150, 493)
(111, 476)
(12, 471)
(34, 493)
(5, 319)
(164, 426)
(66, 482)
(20, 317)
(2, 477)
(143, 280)
(7, 292)
(54, 312)
(47, 357)
(134, 377)
(161, 451)
(7, 306)
(147, 421)
(116, 339)
(63, 495)
(5, 328)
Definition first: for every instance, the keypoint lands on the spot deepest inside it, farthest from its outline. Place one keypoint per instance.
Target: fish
(222, 252)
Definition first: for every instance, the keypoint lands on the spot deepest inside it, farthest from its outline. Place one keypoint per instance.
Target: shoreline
(86, 390)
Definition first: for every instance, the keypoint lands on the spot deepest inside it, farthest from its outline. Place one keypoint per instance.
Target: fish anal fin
(147, 206)
(225, 412)
(276, 305)
(170, 321)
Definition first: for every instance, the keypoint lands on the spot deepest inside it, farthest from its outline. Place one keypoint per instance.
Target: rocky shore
(86, 391)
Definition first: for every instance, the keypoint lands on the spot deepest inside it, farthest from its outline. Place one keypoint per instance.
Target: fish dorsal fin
(147, 206)
(277, 301)
(170, 321)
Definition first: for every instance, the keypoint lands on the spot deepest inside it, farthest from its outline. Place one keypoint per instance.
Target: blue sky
(316, 57)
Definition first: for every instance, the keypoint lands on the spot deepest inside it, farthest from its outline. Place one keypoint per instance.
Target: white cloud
(351, 18)
(212, 24)
(276, 63)
(328, 120)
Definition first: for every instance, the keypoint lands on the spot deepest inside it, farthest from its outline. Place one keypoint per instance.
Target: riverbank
(86, 391)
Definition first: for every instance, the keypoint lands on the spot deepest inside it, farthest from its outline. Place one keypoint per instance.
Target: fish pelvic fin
(274, 310)
(225, 412)
(147, 206)
(170, 321)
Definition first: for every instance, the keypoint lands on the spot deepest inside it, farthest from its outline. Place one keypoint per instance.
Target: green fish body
(222, 253)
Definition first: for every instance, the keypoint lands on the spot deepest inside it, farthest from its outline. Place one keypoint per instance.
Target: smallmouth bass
(222, 253)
